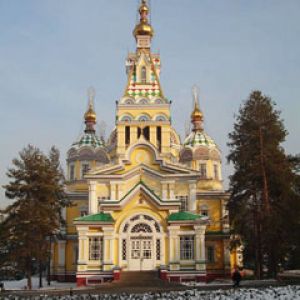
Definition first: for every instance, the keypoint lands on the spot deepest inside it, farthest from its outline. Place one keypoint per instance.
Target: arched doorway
(141, 243)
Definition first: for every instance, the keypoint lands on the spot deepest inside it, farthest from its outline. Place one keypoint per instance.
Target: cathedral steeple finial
(143, 30)
(90, 115)
(197, 115)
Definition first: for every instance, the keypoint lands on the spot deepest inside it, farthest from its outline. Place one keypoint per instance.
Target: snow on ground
(270, 293)
(21, 284)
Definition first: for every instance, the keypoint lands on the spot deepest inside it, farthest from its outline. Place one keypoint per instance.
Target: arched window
(127, 135)
(204, 210)
(158, 137)
(141, 227)
(143, 75)
(143, 101)
(146, 133)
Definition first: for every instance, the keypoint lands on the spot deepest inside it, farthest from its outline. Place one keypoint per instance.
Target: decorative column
(83, 247)
(121, 139)
(133, 134)
(118, 189)
(108, 248)
(153, 135)
(174, 248)
(172, 190)
(192, 195)
(112, 191)
(165, 134)
(200, 247)
(93, 202)
(164, 190)
(61, 260)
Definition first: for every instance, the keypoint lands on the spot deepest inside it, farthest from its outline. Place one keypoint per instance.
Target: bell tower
(143, 112)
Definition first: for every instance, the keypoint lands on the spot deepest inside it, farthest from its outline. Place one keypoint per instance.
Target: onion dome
(89, 137)
(143, 28)
(198, 145)
(90, 115)
(199, 138)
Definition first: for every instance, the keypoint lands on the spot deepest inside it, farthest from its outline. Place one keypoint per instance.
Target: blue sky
(51, 51)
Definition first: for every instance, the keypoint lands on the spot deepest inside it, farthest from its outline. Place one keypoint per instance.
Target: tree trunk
(29, 282)
(258, 254)
(40, 274)
(263, 172)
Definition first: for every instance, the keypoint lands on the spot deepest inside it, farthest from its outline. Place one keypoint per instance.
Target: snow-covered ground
(21, 284)
(270, 293)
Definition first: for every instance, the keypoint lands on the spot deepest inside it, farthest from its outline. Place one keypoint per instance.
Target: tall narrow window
(183, 202)
(84, 169)
(158, 137)
(143, 75)
(146, 133)
(203, 170)
(72, 172)
(127, 135)
(158, 249)
(216, 172)
(124, 249)
(187, 247)
(210, 251)
(95, 248)
(139, 132)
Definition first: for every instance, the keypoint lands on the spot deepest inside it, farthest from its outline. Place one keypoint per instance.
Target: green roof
(183, 216)
(89, 139)
(199, 138)
(101, 217)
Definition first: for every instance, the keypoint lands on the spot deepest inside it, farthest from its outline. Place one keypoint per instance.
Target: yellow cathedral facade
(144, 200)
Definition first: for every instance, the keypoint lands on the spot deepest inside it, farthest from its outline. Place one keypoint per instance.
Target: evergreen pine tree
(37, 188)
(264, 207)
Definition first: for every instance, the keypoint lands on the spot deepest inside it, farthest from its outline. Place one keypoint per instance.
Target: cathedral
(144, 200)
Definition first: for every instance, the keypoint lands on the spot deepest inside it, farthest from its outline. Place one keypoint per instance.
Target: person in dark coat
(236, 277)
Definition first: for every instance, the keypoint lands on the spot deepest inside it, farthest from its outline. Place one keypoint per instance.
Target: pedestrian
(236, 277)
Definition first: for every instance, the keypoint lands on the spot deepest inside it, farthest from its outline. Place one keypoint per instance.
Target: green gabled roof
(141, 182)
(101, 217)
(183, 216)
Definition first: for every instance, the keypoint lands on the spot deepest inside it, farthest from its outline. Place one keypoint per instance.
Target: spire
(197, 115)
(143, 32)
(90, 115)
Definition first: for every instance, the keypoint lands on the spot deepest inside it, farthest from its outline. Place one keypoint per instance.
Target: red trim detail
(81, 282)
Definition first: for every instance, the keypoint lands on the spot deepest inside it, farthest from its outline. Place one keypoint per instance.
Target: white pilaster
(192, 195)
(93, 202)
(108, 245)
(164, 191)
(61, 253)
(200, 246)
(83, 246)
(113, 191)
(172, 190)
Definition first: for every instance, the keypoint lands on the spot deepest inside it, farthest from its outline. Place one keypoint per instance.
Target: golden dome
(197, 113)
(90, 114)
(143, 28)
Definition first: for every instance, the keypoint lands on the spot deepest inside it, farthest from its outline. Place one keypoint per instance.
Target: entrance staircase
(142, 279)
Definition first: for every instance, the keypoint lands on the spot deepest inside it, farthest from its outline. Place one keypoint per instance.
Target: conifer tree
(37, 188)
(264, 207)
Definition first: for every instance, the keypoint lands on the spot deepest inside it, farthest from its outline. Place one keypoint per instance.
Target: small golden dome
(197, 113)
(90, 114)
(143, 28)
